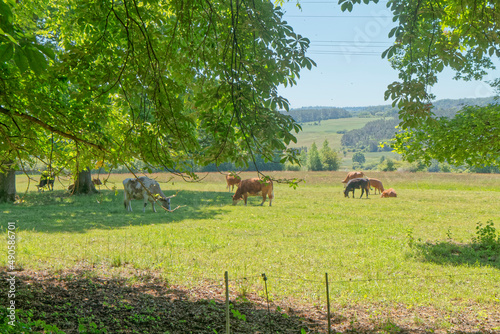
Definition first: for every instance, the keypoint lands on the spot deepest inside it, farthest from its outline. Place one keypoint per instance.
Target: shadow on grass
(79, 301)
(451, 253)
(58, 212)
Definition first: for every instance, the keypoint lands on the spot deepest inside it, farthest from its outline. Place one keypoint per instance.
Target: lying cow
(389, 193)
(254, 187)
(232, 180)
(146, 189)
(359, 183)
(352, 175)
(377, 185)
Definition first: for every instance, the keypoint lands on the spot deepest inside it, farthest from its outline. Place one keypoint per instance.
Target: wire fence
(97, 255)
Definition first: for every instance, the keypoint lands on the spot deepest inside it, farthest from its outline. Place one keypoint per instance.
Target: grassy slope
(328, 130)
(307, 232)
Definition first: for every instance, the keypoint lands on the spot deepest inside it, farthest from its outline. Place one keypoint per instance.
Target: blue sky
(346, 48)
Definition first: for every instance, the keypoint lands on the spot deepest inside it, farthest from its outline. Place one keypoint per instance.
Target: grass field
(328, 129)
(413, 250)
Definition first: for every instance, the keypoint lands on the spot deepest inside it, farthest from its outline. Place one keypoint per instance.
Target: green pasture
(375, 250)
(328, 129)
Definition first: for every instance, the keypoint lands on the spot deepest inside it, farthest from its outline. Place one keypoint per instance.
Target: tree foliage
(165, 82)
(429, 36)
(314, 159)
(329, 158)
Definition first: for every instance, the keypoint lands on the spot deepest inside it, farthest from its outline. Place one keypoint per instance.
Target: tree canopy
(429, 36)
(170, 83)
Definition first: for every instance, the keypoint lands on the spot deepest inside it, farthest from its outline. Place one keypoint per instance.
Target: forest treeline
(368, 137)
(316, 114)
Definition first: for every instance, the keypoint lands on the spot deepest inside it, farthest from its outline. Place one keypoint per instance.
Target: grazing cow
(46, 180)
(232, 180)
(146, 189)
(254, 187)
(389, 193)
(359, 183)
(377, 185)
(352, 175)
(97, 182)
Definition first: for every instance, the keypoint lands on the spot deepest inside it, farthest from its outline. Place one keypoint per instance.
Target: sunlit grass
(364, 244)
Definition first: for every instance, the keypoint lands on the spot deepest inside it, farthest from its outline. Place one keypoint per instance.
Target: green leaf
(6, 52)
(21, 60)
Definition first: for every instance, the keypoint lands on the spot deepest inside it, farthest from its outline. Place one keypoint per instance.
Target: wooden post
(328, 305)
(226, 278)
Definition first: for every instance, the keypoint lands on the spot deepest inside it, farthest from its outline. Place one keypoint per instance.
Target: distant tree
(358, 157)
(329, 158)
(314, 163)
(429, 37)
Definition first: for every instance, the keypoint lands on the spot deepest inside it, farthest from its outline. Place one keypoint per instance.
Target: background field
(327, 129)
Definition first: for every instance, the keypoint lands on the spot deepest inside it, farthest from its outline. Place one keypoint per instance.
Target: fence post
(328, 305)
(226, 279)
(267, 298)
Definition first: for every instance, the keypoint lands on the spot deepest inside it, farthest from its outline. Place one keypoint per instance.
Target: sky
(347, 49)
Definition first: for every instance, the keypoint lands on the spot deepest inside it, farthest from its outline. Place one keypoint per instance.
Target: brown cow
(96, 182)
(254, 187)
(389, 193)
(352, 175)
(377, 185)
(232, 180)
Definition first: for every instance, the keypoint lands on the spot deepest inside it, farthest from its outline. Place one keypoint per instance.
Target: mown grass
(368, 246)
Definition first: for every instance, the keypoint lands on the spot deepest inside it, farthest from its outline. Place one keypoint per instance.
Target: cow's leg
(263, 199)
(245, 197)
(362, 192)
(146, 204)
(271, 196)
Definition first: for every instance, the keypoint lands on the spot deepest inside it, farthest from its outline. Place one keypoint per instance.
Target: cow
(359, 183)
(377, 185)
(96, 182)
(232, 180)
(352, 175)
(389, 193)
(46, 180)
(254, 187)
(146, 189)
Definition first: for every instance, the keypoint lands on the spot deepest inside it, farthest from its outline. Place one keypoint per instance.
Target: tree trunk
(83, 183)
(7, 182)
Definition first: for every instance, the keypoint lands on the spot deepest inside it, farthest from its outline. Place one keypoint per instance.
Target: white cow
(146, 189)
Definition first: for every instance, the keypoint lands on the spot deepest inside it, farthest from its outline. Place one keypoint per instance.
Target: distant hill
(315, 114)
(442, 108)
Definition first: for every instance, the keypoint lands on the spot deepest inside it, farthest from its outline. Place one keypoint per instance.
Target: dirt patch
(78, 301)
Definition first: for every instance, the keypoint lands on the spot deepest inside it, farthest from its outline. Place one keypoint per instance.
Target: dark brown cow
(389, 193)
(352, 175)
(254, 187)
(363, 184)
(232, 180)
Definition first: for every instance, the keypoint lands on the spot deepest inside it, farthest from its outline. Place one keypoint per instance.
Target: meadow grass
(368, 246)
(328, 129)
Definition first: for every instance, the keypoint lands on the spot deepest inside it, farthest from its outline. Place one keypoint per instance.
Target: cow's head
(346, 193)
(236, 198)
(165, 202)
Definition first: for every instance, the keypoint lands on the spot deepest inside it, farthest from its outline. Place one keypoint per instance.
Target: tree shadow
(57, 211)
(457, 254)
(79, 301)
